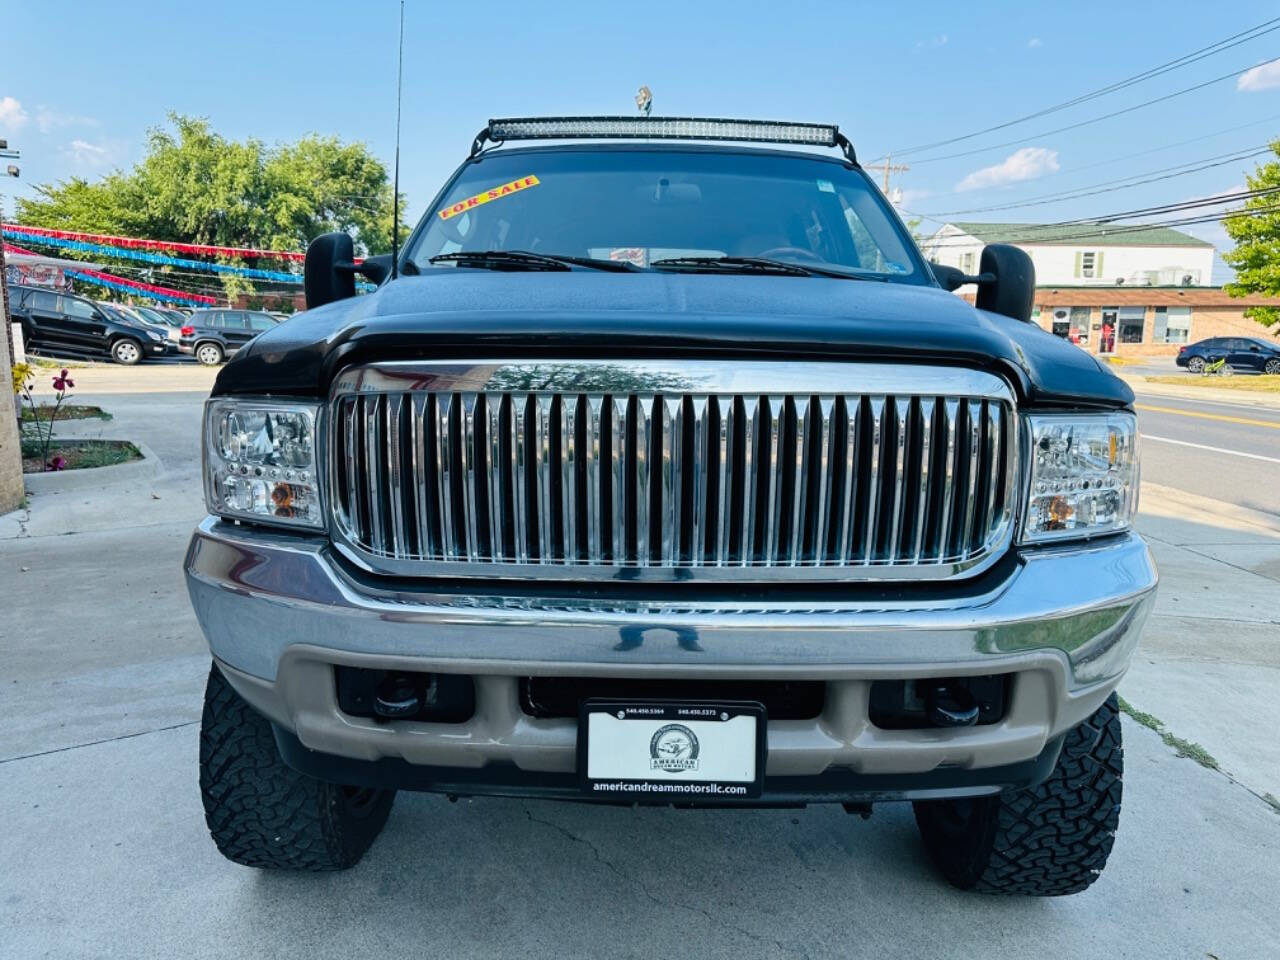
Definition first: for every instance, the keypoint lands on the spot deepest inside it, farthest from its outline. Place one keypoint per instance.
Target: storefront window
(1131, 322)
(1071, 323)
(1173, 325)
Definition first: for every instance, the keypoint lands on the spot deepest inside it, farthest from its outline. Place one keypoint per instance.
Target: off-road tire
(1045, 841)
(126, 351)
(209, 353)
(260, 811)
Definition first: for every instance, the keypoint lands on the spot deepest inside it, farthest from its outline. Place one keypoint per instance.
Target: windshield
(642, 207)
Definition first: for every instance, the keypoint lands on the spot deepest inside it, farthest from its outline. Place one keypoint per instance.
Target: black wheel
(209, 353)
(263, 813)
(1195, 365)
(126, 351)
(1272, 367)
(1045, 841)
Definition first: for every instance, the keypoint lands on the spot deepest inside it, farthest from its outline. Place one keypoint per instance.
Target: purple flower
(58, 463)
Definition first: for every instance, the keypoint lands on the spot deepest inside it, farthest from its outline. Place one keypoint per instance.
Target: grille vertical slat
(725, 476)
(901, 421)
(642, 478)
(750, 481)
(375, 464)
(518, 466)
(699, 408)
(875, 455)
(394, 452)
(920, 538)
(702, 480)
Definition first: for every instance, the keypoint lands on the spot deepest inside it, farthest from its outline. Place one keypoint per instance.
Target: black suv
(665, 473)
(214, 335)
(64, 323)
(1242, 353)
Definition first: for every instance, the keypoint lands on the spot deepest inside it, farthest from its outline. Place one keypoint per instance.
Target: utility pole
(888, 166)
(10, 448)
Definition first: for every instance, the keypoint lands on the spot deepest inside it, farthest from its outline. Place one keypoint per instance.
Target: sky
(79, 89)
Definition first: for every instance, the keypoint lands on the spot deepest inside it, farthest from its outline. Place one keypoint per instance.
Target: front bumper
(280, 611)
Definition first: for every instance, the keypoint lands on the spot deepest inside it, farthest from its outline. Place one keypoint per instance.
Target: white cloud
(12, 116)
(85, 154)
(48, 119)
(1265, 76)
(1025, 164)
(1035, 42)
(941, 40)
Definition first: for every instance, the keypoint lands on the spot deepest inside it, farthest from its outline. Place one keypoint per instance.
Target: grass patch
(47, 363)
(1183, 748)
(79, 454)
(1262, 383)
(68, 411)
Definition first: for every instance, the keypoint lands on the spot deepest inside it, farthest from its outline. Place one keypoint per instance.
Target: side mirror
(1012, 289)
(328, 273)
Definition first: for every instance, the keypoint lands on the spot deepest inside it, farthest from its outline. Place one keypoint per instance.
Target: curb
(62, 481)
(1246, 398)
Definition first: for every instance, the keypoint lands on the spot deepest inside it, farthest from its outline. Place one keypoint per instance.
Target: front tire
(263, 813)
(1046, 841)
(210, 354)
(1272, 367)
(126, 351)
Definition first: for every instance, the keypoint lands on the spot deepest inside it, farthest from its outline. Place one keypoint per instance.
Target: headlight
(153, 335)
(260, 461)
(1084, 475)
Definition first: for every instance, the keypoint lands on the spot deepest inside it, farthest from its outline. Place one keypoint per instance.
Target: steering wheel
(781, 253)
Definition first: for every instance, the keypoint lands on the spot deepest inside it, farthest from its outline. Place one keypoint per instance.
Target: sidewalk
(1209, 663)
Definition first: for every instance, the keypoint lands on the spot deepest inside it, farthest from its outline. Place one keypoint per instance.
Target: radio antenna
(395, 194)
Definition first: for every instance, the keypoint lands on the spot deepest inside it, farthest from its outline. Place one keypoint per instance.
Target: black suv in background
(214, 335)
(1242, 353)
(65, 323)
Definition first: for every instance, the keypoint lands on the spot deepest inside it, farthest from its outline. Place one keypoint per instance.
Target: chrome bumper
(279, 611)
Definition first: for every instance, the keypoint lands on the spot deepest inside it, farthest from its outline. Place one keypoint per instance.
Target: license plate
(647, 750)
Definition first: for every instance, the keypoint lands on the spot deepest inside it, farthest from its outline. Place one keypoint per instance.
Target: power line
(1186, 60)
(1084, 123)
(1120, 183)
(1113, 231)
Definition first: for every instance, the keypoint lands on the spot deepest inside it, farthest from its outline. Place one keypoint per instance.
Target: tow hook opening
(939, 702)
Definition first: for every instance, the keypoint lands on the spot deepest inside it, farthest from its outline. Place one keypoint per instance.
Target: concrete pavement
(106, 853)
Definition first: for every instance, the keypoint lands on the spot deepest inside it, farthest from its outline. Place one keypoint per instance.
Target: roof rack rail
(663, 128)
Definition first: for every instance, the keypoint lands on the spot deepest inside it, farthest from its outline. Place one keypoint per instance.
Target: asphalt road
(1228, 451)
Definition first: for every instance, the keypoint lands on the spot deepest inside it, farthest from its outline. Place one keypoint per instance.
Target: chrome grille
(676, 470)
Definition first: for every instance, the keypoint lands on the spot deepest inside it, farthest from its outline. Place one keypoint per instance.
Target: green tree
(195, 186)
(1256, 232)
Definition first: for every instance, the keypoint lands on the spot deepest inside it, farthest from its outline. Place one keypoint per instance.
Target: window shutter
(1079, 262)
(1097, 265)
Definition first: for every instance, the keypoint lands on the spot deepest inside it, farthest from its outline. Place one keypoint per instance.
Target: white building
(1083, 255)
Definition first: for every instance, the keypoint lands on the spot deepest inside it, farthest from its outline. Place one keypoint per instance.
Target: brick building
(1144, 321)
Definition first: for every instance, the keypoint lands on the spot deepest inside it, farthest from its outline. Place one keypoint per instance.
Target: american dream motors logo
(673, 749)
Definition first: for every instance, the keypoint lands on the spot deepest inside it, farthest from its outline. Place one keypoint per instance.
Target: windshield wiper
(522, 259)
(781, 268)
(500, 260)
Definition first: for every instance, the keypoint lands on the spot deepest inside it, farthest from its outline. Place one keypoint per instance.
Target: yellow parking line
(1208, 416)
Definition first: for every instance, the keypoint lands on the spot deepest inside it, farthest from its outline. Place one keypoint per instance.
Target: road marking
(1208, 416)
(1202, 446)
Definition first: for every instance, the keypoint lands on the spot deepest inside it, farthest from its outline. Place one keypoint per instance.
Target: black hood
(475, 314)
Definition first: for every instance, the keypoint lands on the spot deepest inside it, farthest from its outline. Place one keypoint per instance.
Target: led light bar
(663, 128)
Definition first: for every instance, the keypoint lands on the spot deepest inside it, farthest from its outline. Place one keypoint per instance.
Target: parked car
(214, 335)
(669, 474)
(1242, 353)
(66, 323)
